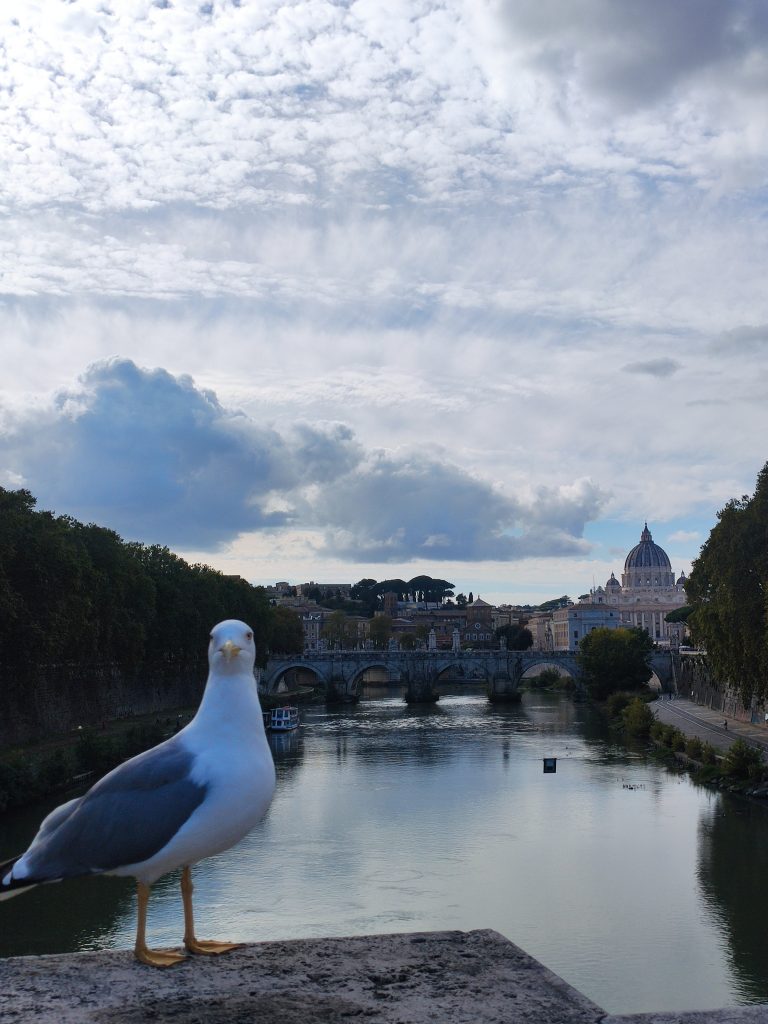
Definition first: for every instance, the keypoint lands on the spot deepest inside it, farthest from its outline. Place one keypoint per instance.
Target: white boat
(281, 719)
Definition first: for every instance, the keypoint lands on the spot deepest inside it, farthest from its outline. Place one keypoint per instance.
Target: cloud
(654, 367)
(159, 459)
(637, 54)
(745, 338)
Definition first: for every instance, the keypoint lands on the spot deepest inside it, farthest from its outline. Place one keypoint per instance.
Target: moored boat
(281, 719)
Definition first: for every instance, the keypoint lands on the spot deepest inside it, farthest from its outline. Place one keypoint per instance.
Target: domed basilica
(647, 592)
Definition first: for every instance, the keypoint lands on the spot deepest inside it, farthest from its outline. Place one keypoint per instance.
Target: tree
(461, 600)
(425, 588)
(339, 630)
(679, 614)
(518, 637)
(286, 633)
(557, 602)
(615, 659)
(381, 631)
(637, 719)
(728, 588)
(364, 591)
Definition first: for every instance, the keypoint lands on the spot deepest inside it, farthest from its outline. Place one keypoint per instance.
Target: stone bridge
(340, 674)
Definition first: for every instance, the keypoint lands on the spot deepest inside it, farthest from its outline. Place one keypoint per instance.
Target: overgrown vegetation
(728, 588)
(25, 780)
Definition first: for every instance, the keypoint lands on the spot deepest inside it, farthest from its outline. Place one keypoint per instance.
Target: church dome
(682, 580)
(647, 555)
(612, 582)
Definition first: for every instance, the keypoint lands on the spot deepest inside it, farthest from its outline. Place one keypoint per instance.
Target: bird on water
(190, 797)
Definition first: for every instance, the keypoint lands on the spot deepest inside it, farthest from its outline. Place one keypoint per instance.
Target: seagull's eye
(249, 636)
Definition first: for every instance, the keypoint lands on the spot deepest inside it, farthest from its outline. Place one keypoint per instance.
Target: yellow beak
(230, 650)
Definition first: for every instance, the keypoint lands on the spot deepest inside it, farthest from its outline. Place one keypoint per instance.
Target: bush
(617, 702)
(657, 731)
(54, 772)
(94, 753)
(637, 719)
(693, 748)
(548, 677)
(708, 754)
(667, 736)
(17, 783)
(743, 761)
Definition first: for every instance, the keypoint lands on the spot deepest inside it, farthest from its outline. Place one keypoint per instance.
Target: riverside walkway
(697, 720)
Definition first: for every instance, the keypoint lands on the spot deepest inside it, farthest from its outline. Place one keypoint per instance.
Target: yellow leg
(207, 947)
(151, 957)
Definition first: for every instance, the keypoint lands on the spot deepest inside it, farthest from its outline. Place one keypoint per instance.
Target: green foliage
(694, 748)
(71, 592)
(286, 633)
(557, 602)
(24, 781)
(381, 631)
(617, 702)
(708, 754)
(548, 678)
(615, 659)
(728, 587)
(667, 735)
(637, 719)
(679, 614)
(340, 631)
(518, 637)
(743, 761)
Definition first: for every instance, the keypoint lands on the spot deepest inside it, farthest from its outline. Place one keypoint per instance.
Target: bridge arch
(357, 679)
(294, 675)
(458, 671)
(563, 668)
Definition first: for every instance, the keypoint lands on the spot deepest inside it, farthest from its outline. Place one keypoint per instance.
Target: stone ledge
(476, 977)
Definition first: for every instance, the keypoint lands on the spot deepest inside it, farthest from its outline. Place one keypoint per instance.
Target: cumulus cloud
(158, 458)
(155, 457)
(662, 367)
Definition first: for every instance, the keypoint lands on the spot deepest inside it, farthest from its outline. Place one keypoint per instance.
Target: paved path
(698, 720)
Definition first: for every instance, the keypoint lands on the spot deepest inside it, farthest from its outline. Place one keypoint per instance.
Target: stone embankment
(476, 977)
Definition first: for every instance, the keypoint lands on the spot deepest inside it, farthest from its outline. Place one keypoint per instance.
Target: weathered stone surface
(473, 977)
(733, 1015)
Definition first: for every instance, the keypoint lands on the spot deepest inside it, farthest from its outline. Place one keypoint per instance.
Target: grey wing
(126, 818)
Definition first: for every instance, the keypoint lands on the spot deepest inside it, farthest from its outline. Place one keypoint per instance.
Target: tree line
(728, 591)
(79, 593)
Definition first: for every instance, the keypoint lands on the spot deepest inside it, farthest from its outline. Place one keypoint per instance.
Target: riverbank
(708, 725)
(474, 977)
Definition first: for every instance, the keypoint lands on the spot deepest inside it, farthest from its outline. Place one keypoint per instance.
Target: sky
(324, 291)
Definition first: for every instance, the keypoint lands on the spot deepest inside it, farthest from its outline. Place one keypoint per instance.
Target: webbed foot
(210, 947)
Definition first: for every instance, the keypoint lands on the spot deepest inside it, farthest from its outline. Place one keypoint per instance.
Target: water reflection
(733, 875)
(398, 817)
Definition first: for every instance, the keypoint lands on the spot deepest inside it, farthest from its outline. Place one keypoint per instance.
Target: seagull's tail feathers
(10, 886)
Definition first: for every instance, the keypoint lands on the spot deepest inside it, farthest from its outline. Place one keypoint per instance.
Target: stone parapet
(476, 977)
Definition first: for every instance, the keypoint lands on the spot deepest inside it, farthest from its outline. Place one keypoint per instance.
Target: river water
(639, 888)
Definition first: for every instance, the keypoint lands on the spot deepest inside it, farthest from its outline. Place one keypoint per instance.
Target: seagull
(192, 796)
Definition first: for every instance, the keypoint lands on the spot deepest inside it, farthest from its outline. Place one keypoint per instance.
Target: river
(642, 890)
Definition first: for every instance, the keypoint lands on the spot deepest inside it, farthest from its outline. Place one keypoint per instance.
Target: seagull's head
(232, 648)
